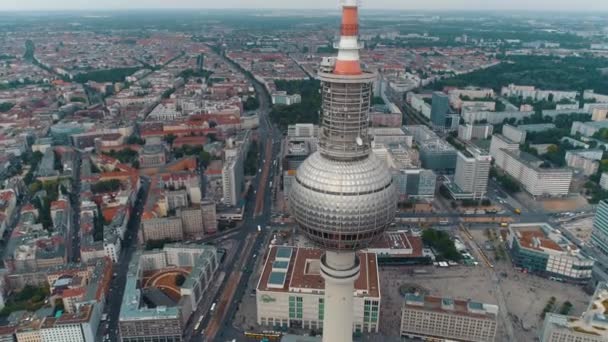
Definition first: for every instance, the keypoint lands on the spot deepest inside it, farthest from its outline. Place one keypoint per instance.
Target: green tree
(6, 106)
(252, 103)
(251, 161)
(169, 138)
(442, 243)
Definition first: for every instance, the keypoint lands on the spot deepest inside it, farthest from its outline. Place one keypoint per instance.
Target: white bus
(212, 307)
(198, 323)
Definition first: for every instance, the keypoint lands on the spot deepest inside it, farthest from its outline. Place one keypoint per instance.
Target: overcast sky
(547, 5)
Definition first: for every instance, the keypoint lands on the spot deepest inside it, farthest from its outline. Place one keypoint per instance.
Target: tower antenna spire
(348, 62)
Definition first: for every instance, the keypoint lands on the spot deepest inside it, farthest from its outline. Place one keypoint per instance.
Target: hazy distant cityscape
(228, 175)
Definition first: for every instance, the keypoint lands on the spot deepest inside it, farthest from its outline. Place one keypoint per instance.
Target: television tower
(343, 196)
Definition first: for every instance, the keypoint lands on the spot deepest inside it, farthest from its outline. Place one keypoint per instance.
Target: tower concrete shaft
(339, 270)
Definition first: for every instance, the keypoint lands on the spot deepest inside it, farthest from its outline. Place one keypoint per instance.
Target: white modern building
(498, 143)
(537, 94)
(586, 160)
(525, 168)
(541, 249)
(592, 326)
(417, 102)
(431, 318)
(468, 132)
(282, 98)
(604, 181)
(472, 172)
(303, 130)
(588, 129)
(290, 292)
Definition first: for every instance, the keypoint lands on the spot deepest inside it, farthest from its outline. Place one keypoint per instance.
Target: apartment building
(468, 132)
(161, 228)
(446, 319)
(209, 213)
(192, 222)
(526, 169)
(587, 161)
(536, 180)
(498, 143)
(232, 180)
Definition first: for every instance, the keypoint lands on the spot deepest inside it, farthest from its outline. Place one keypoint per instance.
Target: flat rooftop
(593, 322)
(541, 237)
(453, 306)
(293, 269)
(398, 243)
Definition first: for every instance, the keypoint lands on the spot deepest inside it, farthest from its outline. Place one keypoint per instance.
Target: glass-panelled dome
(343, 205)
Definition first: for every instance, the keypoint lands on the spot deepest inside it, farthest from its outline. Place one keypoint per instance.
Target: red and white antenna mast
(348, 62)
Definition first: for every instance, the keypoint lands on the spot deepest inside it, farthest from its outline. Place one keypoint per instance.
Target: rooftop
(132, 307)
(468, 307)
(593, 322)
(541, 237)
(293, 269)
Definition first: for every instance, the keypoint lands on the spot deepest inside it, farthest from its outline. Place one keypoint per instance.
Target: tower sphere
(343, 205)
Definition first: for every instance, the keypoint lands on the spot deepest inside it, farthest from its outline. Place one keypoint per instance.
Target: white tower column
(340, 270)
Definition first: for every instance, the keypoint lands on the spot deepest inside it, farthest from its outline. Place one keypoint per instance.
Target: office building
(192, 222)
(290, 292)
(289, 177)
(414, 183)
(343, 196)
(161, 228)
(472, 172)
(296, 152)
(604, 181)
(61, 132)
(539, 248)
(468, 132)
(282, 98)
(592, 326)
(232, 180)
(440, 107)
(233, 171)
(303, 130)
(173, 304)
(209, 212)
(437, 155)
(599, 234)
(446, 319)
(390, 136)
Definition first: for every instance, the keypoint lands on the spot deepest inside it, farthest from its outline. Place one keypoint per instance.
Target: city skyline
(492, 5)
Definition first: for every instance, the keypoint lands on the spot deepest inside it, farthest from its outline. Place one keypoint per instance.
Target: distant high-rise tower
(440, 107)
(472, 171)
(343, 196)
(599, 242)
(200, 62)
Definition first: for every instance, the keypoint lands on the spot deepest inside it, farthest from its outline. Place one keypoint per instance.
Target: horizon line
(457, 10)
